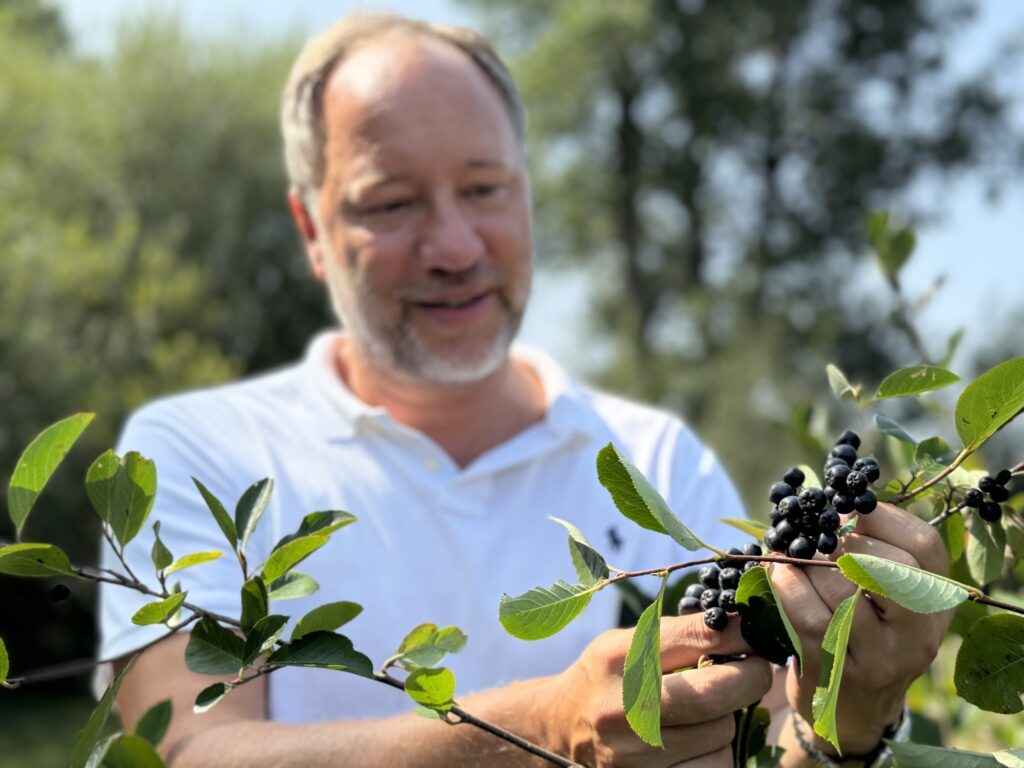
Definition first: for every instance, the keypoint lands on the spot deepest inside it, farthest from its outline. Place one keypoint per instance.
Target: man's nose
(450, 241)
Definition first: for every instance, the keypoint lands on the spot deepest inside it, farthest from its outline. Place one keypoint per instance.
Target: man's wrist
(879, 757)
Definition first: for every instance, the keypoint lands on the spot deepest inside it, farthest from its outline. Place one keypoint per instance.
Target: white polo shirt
(433, 543)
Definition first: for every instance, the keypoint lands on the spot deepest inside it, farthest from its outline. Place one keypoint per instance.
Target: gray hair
(302, 114)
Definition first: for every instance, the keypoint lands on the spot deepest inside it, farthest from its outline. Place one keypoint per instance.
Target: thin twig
(908, 495)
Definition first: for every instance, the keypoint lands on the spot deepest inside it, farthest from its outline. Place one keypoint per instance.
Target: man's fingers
(720, 759)
(808, 613)
(705, 694)
(684, 639)
(904, 531)
(689, 742)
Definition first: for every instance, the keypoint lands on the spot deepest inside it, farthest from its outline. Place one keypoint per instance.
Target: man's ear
(307, 230)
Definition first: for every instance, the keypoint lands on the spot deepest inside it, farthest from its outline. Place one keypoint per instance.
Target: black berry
(750, 564)
(773, 541)
(694, 590)
(990, 511)
(716, 619)
(849, 438)
(998, 493)
(727, 600)
(708, 576)
(786, 532)
(843, 503)
(827, 543)
(790, 508)
(802, 547)
(752, 550)
(830, 492)
(1003, 476)
(828, 521)
(973, 498)
(856, 483)
(846, 452)
(809, 524)
(833, 461)
(688, 605)
(812, 500)
(795, 477)
(709, 598)
(987, 483)
(730, 578)
(836, 476)
(730, 562)
(779, 491)
(776, 515)
(59, 593)
(865, 503)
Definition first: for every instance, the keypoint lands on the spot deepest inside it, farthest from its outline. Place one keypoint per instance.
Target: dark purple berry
(802, 547)
(830, 492)
(795, 477)
(843, 503)
(973, 498)
(846, 452)
(708, 576)
(865, 503)
(990, 511)
(1003, 476)
(828, 521)
(836, 476)
(752, 550)
(716, 619)
(809, 524)
(849, 438)
(987, 483)
(730, 562)
(779, 491)
(694, 590)
(790, 508)
(727, 600)
(59, 593)
(856, 483)
(812, 500)
(786, 532)
(709, 598)
(772, 541)
(776, 515)
(750, 564)
(998, 494)
(827, 543)
(688, 605)
(730, 578)
(833, 461)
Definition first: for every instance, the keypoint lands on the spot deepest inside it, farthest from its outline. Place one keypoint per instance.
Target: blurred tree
(715, 161)
(145, 245)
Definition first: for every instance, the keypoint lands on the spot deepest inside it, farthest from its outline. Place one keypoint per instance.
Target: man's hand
(889, 646)
(697, 705)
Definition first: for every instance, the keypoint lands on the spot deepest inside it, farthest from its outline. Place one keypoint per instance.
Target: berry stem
(947, 513)
(908, 495)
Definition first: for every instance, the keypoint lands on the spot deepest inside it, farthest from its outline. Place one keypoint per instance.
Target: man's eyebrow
(360, 184)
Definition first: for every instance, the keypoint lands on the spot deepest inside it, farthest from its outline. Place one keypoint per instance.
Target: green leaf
(159, 611)
(196, 558)
(213, 649)
(106, 486)
(638, 500)
(255, 599)
(37, 464)
(541, 612)
(763, 623)
(914, 589)
(896, 251)
(152, 726)
(878, 229)
(641, 676)
(922, 756)
(140, 479)
(889, 427)
(261, 637)
(227, 525)
(914, 380)
(160, 554)
(89, 735)
(210, 696)
(842, 388)
(953, 530)
(291, 554)
(431, 688)
(833, 657)
(589, 565)
(986, 547)
(935, 450)
(1011, 758)
(989, 669)
(848, 527)
(34, 560)
(321, 523)
(250, 508)
(952, 345)
(426, 645)
(5, 663)
(327, 617)
(323, 649)
(811, 479)
(293, 584)
(754, 528)
(130, 751)
(989, 402)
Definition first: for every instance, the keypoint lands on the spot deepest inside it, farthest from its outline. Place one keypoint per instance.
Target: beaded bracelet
(880, 757)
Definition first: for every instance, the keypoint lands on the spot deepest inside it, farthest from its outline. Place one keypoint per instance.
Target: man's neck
(466, 420)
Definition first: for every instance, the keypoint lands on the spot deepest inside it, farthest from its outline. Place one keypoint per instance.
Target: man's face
(425, 235)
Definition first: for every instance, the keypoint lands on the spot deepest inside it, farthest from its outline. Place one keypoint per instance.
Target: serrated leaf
(327, 617)
(889, 427)
(321, 523)
(210, 696)
(224, 521)
(833, 657)
(431, 688)
(250, 509)
(327, 650)
(841, 387)
(37, 464)
(590, 566)
(213, 649)
(641, 675)
(426, 645)
(291, 554)
(160, 554)
(914, 380)
(255, 600)
(89, 735)
(158, 612)
(754, 528)
(921, 756)
(196, 558)
(293, 584)
(130, 751)
(986, 547)
(989, 670)
(989, 402)
(540, 612)
(34, 560)
(914, 589)
(638, 500)
(261, 637)
(763, 623)
(1011, 758)
(152, 726)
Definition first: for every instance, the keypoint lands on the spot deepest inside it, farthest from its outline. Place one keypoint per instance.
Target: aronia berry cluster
(715, 590)
(995, 488)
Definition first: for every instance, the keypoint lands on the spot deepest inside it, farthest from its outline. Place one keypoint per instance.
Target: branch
(908, 495)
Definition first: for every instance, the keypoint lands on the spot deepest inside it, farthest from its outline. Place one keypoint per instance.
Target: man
(404, 146)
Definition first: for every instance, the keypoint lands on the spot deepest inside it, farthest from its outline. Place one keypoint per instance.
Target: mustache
(477, 276)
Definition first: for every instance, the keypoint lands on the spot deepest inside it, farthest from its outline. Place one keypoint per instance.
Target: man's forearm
(406, 740)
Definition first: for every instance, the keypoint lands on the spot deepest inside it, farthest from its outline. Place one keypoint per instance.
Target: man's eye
(391, 206)
(484, 190)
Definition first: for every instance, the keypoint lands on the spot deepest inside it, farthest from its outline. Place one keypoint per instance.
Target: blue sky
(977, 246)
